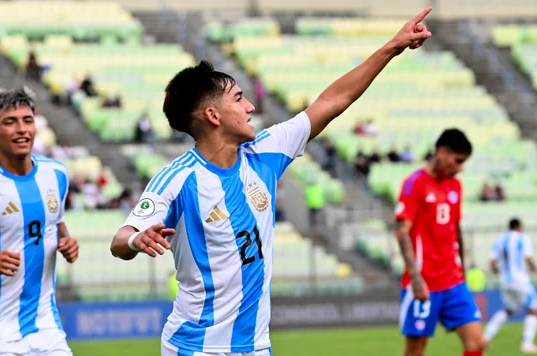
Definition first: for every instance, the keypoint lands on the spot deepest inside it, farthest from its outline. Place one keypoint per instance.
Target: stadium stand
(119, 64)
(522, 40)
(407, 110)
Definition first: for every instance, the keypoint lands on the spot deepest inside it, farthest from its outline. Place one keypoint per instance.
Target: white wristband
(131, 245)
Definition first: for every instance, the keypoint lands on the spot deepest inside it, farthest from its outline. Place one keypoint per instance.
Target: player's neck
(430, 168)
(221, 154)
(17, 166)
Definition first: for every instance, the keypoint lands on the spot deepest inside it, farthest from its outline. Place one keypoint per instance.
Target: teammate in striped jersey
(214, 207)
(32, 199)
(510, 253)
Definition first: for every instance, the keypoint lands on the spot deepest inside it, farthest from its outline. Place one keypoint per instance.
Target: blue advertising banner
(86, 321)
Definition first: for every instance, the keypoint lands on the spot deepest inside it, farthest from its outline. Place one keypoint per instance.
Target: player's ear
(212, 115)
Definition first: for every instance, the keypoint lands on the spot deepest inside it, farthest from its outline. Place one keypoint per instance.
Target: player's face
(236, 112)
(17, 132)
(451, 163)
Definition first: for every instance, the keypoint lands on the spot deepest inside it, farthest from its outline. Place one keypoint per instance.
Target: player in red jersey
(428, 214)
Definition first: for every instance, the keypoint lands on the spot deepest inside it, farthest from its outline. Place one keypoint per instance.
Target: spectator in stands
(93, 196)
(314, 201)
(329, 163)
(428, 155)
(87, 86)
(370, 128)
(359, 128)
(361, 164)
(123, 202)
(407, 156)
(393, 156)
(375, 156)
(144, 129)
(487, 193)
(113, 101)
(259, 94)
(33, 69)
(500, 193)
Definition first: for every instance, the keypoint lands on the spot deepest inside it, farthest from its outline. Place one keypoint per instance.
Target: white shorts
(42, 343)
(517, 297)
(168, 349)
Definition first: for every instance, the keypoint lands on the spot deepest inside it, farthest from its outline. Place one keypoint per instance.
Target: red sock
(472, 353)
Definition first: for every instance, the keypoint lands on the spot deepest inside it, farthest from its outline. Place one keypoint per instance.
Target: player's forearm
(405, 246)
(461, 246)
(120, 244)
(62, 231)
(346, 90)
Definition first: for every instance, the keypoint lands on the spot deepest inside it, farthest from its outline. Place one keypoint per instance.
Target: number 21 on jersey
(443, 213)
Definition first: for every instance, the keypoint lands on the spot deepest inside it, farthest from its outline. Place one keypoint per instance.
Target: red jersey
(434, 208)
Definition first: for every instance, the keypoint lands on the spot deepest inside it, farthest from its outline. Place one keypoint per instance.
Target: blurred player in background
(216, 203)
(510, 253)
(32, 197)
(428, 214)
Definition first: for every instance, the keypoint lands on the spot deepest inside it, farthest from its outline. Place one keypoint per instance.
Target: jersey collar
(27, 177)
(218, 170)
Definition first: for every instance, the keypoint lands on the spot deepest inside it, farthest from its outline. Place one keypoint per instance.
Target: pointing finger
(421, 16)
(167, 232)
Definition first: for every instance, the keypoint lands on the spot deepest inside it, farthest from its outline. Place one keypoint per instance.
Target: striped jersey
(31, 207)
(224, 221)
(510, 251)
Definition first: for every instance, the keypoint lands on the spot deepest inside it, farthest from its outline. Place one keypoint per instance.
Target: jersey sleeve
(155, 206)
(407, 205)
(528, 247)
(280, 144)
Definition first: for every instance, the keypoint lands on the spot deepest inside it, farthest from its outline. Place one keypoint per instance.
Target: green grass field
(371, 341)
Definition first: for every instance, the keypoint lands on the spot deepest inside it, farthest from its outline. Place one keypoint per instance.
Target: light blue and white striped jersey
(511, 250)
(224, 221)
(31, 207)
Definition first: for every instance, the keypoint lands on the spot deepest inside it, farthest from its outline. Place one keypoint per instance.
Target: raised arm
(347, 89)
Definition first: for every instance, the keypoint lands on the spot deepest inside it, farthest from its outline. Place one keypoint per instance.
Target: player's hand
(412, 34)
(419, 289)
(68, 247)
(9, 262)
(153, 240)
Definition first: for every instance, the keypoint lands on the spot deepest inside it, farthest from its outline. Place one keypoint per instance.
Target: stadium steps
(68, 128)
(493, 69)
(167, 27)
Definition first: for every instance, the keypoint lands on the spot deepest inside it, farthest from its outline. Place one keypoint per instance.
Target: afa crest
(258, 199)
(52, 202)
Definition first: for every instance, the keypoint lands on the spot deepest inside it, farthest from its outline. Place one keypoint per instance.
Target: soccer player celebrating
(32, 199)
(509, 253)
(428, 214)
(214, 207)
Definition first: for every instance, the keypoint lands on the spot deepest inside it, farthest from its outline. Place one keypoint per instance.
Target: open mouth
(21, 141)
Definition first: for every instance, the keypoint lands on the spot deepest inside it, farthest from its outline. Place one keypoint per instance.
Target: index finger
(157, 237)
(422, 15)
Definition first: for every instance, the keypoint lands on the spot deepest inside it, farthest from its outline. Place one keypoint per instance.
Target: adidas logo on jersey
(431, 198)
(216, 215)
(11, 209)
